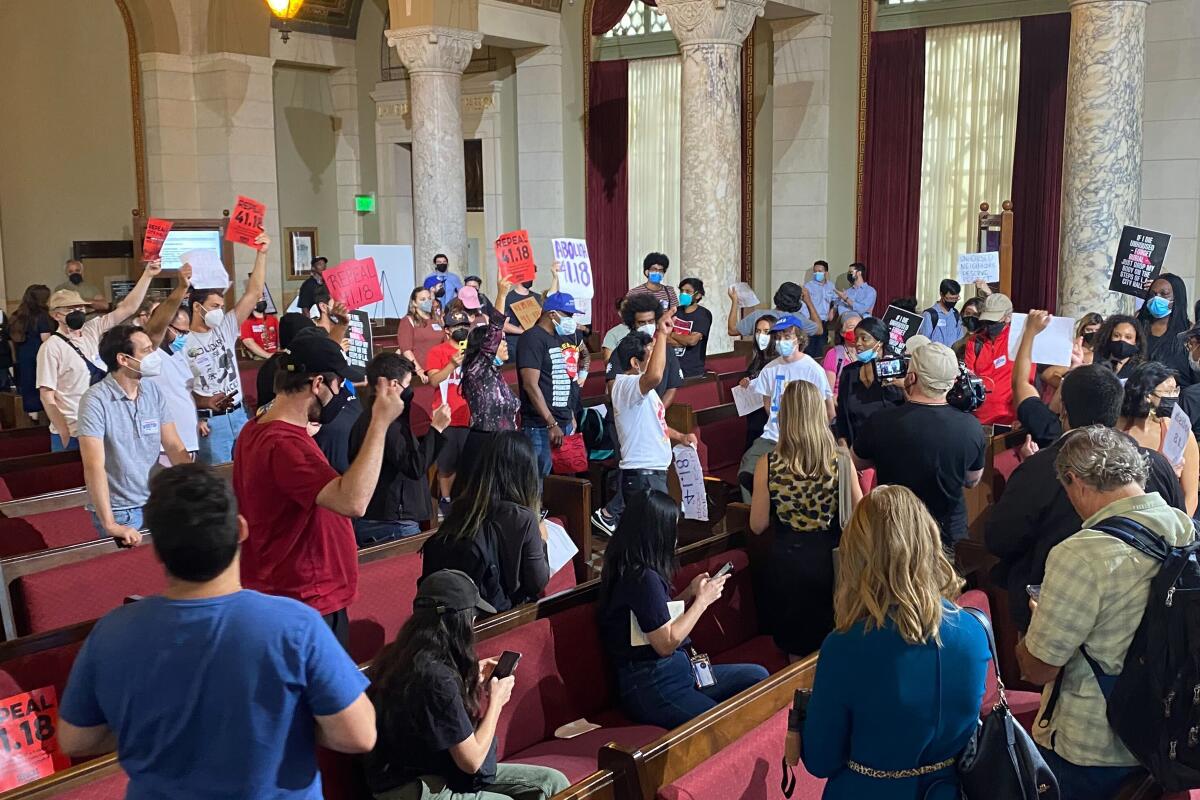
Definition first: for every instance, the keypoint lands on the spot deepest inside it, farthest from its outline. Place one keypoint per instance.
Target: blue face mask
(685, 299)
(1159, 307)
(565, 326)
(178, 344)
(655, 277)
(866, 355)
(498, 361)
(819, 277)
(785, 347)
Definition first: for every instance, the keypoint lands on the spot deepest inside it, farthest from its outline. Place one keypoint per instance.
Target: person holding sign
(164, 680)
(1151, 394)
(986, 355)
(420, 330)
(491, 401)
(692, 325)
(654, 267)
(212, 352)
(445, 374)
(76, 283)
(1165, 319)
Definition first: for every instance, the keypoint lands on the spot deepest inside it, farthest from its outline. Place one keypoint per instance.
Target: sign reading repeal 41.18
(29, 738)
(246, 222)
(514, 256)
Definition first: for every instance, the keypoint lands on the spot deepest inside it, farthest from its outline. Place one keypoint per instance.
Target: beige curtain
(654, 137)
(971, 78)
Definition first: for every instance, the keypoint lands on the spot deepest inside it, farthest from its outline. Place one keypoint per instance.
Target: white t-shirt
(213, 360)
(60, 368)
(777, 375)
(175, 383)
(641, 425)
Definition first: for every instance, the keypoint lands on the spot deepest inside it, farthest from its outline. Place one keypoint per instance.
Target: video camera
(968, 391)
(892, 367)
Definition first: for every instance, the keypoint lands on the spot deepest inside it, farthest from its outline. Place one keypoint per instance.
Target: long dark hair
(404, 670)
(507, 470)
(764, 356)
(1178, 322)
(1141, 384)
(644, 540)
(476, 339)
(1103, 340)
(34, 306)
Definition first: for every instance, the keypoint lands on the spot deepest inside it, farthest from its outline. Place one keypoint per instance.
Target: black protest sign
(1140, 256)
(901, 325)
(362, 344)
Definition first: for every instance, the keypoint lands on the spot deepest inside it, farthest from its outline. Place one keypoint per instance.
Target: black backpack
(1154, 704)
(597, 430)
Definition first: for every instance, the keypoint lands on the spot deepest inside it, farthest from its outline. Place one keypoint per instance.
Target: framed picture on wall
(302, 249)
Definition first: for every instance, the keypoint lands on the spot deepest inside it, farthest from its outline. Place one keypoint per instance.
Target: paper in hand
(747, 400)
(559, 547)
(1052, 346)
(745, 295)
(207, 270)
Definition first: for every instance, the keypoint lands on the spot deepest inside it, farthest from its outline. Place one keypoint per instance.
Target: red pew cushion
(561, 581)
(576, 758)
(25, 444)
(17, 536)
(703, 394)
(726, 362)
(110, 787)
(732, 621)
(386, 589)
(64, 527)
(35, 670)
(1024, 705)
(40, 480)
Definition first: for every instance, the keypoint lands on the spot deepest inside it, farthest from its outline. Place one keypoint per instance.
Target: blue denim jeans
(56, 443)
(371, 531)
(541, 444)
(1086, 783)
(125, 516)
(223, 430)
(663, 692)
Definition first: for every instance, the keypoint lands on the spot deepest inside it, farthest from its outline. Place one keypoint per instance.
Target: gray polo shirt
(132, 433)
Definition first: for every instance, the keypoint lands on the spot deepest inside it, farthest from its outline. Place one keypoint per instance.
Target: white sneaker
(602, 525)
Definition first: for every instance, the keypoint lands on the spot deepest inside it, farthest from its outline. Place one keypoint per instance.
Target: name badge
(1000, 362)
(435, 326)
(149, 427)
(941, 323)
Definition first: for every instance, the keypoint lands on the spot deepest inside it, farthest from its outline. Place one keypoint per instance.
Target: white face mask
(648, 328)
(762, 340)
(214, 317)
(151, 365)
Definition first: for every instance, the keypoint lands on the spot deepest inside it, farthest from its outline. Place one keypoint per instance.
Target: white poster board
(394, 264)
(1051, 346)
(691, 482)
(745, 295)
(207, 270)
(179, 242)
(1177, 437)
(747, 400)
(973, 266)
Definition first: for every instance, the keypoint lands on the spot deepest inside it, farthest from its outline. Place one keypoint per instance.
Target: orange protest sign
(354, 282)
(246, 223)
(527, 311)
(29, 738)
(156, 234)
(515, 257)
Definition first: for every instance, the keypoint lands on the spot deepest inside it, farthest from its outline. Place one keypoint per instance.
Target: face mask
(850, 276)
(971, 324)
(528, 284)
(459, 334)
(994, 329)
(406, 397)
(655, 277)
(819, 277)
(214, 317)
(441, 267)
(75, 320)
(1165, 406)
(762, 340)
(685, 299)
(866, 355)
(426, 306)
(336, 403)
(565, 326)
(497, 361)
(1122, 350)
(948, 305)
(648, 328)
(151, 365)
(848, 337)
(1089, 339)
(785, 347)
(178, 344)
(261, 308)
(75, 278)
(1159, 307)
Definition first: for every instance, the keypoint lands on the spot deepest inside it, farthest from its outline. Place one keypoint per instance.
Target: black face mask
(75, 278)
(406, 396)
(330, 410)
(850, 277)
(948, 305)
(459, 334)
(261, 308)
(994, 329)
(1089, 339)
(971, 324)
(1165, 406)
(528, 284)
(1122, 350)
(441, 267)
(75, 320)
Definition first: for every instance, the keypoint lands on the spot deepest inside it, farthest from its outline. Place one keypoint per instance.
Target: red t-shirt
(264, 332)
(295, 548)
(439, 357)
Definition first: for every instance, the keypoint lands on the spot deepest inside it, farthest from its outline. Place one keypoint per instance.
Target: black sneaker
(602, 525)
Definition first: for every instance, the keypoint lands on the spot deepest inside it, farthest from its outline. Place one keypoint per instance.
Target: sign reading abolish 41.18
(574, 268)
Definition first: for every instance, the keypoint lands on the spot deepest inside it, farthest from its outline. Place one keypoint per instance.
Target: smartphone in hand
(725, 570)
(506, 664)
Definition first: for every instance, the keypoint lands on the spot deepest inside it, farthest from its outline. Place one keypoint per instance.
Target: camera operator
(925, 444)
(863, 387)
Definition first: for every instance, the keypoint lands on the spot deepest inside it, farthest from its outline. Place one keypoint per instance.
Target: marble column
(435, 58)
(1102, 167)
(711, 34)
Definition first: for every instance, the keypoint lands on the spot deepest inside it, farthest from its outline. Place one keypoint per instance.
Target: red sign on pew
(246, 223)
(515, 257)
(29, 738)
(354, 282)
(156, 234)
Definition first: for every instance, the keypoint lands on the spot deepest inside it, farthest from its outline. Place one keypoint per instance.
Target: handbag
(1001, 762)
(569, 458)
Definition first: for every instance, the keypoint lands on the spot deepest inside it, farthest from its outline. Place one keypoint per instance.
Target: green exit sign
(364, 203)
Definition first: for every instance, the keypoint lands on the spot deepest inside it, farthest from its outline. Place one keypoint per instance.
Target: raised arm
(732, 322)
(131, 302)
(156, 326)
(350, 494)
(1022, 389)
(258, 279)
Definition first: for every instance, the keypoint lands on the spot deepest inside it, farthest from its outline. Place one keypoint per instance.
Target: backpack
(1154, 704)
(597, 434)
(931, 312)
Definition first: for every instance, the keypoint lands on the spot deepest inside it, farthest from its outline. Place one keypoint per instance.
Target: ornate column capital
(696, 22)
(434, 49)
(1073, 3)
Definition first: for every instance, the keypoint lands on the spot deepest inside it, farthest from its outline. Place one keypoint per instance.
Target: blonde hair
(806, 446)
(892, 565)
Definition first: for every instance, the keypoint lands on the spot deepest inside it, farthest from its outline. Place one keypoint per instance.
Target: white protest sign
(747, 400)
(207, 270)
(745, 295)
(559, 547)
(584, 317)
(574, 268)
(973, 266)
(1051, 346)
(1177, 437)
(691, 482)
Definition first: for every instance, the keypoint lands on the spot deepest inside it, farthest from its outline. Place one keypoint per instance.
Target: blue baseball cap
(561, 302)
(788, 321)
(434, 280)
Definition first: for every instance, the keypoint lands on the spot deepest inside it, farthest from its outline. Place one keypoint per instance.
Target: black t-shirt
(558, 362)
(417, 732)
(334, 438)
(856, 401)
(1042, 424)
(402, 492)
(691, 359)
(1189, 403)
(308, 290)
(672, 373)
(930, 449)
(510, 316)
(646, 594)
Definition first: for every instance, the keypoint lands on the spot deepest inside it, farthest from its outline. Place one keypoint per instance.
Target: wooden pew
(571, 500)
(24, 441)
(20, 475)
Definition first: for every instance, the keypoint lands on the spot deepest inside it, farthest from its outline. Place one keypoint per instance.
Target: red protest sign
(156, 234)
(29, 738)
(515, 257)
(354, 282)
(247, 221)
(682, 326)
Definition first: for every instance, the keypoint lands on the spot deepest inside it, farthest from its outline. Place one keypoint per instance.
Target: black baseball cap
(456, 319)
(311, 355)
(449, 590)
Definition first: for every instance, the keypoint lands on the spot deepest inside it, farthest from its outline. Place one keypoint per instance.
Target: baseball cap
(916, 341)
(561, 302)
(290, 325)
(433, 280)
(455, 319)
(449, 590)
(65, 298)
(470, 297)
(310, 355)
(935, 366)
(995, 307)
(788, 321)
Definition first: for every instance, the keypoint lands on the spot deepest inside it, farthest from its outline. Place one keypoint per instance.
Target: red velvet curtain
(889, 215)
(1038, 159)
(605, 14)
(608, 187)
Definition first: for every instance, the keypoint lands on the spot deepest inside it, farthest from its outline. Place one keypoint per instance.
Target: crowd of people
(856, 461)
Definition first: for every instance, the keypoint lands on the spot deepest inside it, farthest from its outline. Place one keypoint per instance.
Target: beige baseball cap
(935, 366)
(995, 308)
(66, 298)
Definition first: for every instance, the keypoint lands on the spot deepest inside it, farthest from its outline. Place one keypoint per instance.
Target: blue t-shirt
(213, 698)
